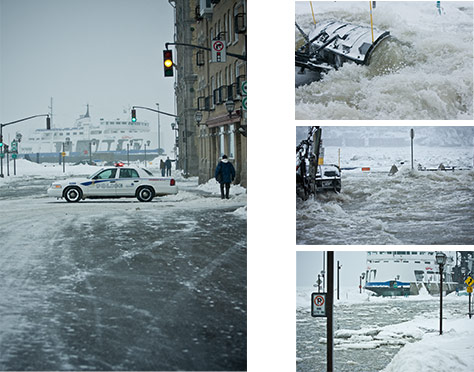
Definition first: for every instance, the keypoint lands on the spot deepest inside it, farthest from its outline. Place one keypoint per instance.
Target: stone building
(210, 86)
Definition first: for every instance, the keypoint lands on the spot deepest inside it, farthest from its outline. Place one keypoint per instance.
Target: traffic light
(48, 123)
(168, 62)
(1, 142)
(134, 115)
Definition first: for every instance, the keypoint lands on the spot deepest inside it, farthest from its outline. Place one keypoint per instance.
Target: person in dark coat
(224, 174)
(162, 167)
(168, 166)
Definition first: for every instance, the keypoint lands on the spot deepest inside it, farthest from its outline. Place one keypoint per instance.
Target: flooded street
(366, 334)
(408, 208)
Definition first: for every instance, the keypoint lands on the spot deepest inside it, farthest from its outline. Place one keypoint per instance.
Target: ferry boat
(403, 273)
(86, 135)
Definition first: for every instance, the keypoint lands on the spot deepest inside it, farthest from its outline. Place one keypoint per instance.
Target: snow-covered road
(122, 285)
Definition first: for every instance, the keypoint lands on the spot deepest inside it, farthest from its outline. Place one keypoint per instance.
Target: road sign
(318, 304)
(219, 51)
(63, 154)
(243, 88)
(14, 156)
(469, 281)
(469, 289)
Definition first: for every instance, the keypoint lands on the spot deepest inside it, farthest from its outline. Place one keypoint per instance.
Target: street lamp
(362, 276)
(198, 117)
(339, 267)
(67, 143)
(230, 106)
(440, 260)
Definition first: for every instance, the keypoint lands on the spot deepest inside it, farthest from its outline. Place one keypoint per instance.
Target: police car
(114, 182)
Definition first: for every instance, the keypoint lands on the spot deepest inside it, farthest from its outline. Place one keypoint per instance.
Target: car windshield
(147, 171)
(95, 173)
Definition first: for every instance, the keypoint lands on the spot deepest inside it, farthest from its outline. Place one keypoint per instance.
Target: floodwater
(425, 71)
(373, 351)
(410, 207)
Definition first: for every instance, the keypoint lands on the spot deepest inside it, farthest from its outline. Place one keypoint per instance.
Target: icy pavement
(387, 334)
(119, 284)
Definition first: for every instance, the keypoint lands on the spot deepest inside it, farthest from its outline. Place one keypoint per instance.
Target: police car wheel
(72, 194)
(145, 194)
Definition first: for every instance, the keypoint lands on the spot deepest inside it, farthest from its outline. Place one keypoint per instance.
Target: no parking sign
(318, 304)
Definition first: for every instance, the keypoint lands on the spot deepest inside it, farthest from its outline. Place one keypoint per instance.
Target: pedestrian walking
(168, 166)
(162, 167)
(224, 174)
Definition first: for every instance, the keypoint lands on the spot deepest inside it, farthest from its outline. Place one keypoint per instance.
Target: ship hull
(403, 273)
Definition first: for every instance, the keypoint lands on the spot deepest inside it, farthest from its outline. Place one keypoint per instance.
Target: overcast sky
(309, 264)
(107, 53)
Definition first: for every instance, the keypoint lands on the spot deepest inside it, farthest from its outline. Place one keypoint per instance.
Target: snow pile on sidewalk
(452, 351)
(212, 186)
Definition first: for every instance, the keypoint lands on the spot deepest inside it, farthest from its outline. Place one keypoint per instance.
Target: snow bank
(212, 186)
(453, 350)
(26, 168)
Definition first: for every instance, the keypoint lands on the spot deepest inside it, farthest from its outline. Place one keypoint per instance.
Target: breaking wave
(424, 71)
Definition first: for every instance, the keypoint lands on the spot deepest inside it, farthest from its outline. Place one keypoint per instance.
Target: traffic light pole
(238, 56)
(14, 122)
(150, 109)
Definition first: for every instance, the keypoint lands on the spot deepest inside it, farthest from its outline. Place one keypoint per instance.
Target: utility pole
(159, 128)
(330, 321)
(412, 135)
(338, 282)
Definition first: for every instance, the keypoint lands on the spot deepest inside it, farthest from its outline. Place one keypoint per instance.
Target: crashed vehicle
(312, 177)
(328, 178)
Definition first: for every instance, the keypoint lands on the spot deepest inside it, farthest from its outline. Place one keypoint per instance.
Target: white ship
(86, 135)
(396, 273)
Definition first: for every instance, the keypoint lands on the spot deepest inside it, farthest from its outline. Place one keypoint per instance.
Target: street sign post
(318, 304)
(219, 51)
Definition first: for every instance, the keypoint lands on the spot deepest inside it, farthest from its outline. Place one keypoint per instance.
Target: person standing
(162, 167)
(168, 166)
(224, 174)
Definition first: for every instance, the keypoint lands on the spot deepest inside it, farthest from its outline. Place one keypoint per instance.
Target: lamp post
(174, 127)
(91, 143)
(159, 127)
(339, 267)
(65, 144)
(440, 260)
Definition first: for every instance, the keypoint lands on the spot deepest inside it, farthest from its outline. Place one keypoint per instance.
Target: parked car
(115, 182)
